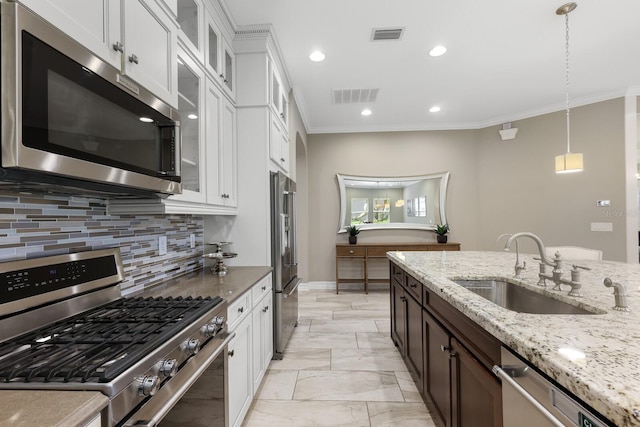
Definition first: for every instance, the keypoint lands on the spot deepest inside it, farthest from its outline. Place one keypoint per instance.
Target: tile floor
(340, 369)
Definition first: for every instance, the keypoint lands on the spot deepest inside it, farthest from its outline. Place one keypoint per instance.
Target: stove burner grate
(100, 344)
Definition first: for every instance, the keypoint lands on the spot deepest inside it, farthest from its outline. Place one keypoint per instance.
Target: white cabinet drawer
(238, 310)
(260, 289)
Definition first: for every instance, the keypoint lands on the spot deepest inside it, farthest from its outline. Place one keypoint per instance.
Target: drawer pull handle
(265, 309)
(413, 285)
(231, 353)
(444, 348)
(240, 309)
(264, 288)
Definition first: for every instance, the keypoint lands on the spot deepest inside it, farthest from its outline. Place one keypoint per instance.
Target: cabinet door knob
(444, 348)
(240, 309)
(231, 353)
(133, 58)
(264, 288)
(351, 251)
(118, 47)
(282, 159)
(265, 309)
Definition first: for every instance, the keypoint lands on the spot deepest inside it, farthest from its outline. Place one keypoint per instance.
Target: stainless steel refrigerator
(284, 259)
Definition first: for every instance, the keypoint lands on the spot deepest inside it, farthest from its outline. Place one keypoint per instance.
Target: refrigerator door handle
(293, 231)
(288, 294)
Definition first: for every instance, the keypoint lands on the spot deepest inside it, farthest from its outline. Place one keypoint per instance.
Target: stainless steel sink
(520, 299)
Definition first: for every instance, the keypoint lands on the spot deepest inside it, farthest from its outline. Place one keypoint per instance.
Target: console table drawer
(348, 251)
(381, 251)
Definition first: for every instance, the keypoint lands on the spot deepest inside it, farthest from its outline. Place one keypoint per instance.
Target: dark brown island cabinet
(449, 356)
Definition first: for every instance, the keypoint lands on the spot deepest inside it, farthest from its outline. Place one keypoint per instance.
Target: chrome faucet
(517, 267)
(619, 293)
(556, 263)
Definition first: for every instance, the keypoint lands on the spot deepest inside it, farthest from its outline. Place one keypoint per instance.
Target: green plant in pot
(353, 231)
(441, 231)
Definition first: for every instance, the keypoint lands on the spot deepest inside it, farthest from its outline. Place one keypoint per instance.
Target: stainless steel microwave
(72, 122)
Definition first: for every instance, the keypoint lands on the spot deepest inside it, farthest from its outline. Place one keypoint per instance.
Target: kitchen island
(602, 367)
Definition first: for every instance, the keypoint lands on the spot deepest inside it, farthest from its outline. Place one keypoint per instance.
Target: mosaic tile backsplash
(33, 226)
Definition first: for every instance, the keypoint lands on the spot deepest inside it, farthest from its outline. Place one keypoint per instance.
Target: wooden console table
(364, 251)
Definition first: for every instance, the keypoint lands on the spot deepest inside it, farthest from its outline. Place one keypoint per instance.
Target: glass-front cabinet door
(229, 66)
(214, 41)
(191, 86)
(189, 18)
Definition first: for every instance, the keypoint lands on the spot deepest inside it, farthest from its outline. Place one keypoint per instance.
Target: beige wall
(495, 186)
(388, 154)
(519, 190)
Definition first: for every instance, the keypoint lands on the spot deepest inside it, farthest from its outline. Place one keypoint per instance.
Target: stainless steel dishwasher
(531, 400)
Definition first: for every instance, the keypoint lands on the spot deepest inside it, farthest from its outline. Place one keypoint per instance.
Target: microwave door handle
(177, 147)
(176, 143)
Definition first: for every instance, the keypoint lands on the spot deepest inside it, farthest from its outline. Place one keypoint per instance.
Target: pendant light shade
(569, 162)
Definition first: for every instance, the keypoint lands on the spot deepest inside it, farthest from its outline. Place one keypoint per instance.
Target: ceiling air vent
(354, 96)
(386, 34)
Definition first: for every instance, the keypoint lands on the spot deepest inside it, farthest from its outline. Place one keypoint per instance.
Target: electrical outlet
(601, 226)
(192, 240)
(162, 245)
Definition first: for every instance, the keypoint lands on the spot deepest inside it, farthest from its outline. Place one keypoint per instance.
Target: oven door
(195, 397)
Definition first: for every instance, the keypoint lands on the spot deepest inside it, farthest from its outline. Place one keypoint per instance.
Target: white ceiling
(505, 58)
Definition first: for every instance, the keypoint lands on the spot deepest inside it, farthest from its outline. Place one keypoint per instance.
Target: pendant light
(569, 162)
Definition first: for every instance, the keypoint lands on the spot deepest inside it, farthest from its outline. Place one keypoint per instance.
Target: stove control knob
(168, 368)
(148, 385)
(212, 328)
(191, 346)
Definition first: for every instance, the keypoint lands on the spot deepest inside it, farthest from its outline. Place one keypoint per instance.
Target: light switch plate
(601, 226)
(162, 245)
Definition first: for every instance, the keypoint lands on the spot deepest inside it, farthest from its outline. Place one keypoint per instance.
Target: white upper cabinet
(87, 21)
(221, 150)
(278, 96)
(149, 44)
(135, 36)
(220, 60)
(191, 20)
(278, 144)
(191, 105)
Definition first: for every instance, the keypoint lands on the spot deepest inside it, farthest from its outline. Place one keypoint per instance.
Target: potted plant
(353, 231)
(441, 231)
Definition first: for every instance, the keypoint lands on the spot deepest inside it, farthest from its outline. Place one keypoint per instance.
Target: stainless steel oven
(71, 120)
(158, 359)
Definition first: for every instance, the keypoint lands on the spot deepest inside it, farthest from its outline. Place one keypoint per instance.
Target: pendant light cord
(566, 20)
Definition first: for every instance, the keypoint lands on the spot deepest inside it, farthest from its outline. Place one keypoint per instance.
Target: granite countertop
(30, 408)
(203, 283)
(601, 366)
(76, 408)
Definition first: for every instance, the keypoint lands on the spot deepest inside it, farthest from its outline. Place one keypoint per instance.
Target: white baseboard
(331, 286)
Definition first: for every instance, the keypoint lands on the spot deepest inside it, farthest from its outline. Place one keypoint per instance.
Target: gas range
(65, 327)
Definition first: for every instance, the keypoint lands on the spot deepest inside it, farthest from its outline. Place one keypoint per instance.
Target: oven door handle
(170, 403)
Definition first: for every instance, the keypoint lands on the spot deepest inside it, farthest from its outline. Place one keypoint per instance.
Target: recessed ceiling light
(434, 109)
(438, 51)
(317, 56)
(146, 119)
(192, 116)
(366, 112)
